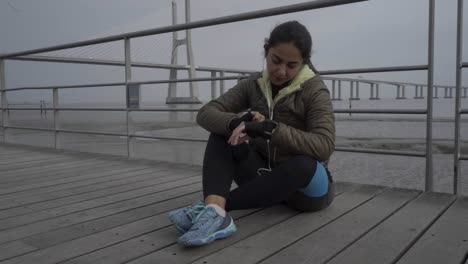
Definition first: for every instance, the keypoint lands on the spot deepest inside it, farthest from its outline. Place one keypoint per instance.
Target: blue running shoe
(182, 218)
(207, 227)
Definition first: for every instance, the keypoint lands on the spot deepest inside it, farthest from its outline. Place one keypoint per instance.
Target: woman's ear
(266, 46)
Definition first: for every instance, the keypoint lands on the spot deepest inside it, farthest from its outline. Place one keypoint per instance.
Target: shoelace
(196, 211)
(204, 213)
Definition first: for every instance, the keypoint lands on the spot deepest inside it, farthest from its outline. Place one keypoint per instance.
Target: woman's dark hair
(295, 33)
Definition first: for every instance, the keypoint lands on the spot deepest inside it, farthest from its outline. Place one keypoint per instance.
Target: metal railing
(458, 111)
(25, 55)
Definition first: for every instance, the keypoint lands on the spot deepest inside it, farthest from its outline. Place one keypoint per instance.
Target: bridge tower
(172, 97)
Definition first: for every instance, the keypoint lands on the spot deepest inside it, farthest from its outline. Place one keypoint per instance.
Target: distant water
(396, 132)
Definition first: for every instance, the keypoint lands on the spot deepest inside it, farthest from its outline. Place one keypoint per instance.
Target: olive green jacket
(303, 110)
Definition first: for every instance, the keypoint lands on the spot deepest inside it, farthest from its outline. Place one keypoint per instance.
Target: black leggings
(224, 163)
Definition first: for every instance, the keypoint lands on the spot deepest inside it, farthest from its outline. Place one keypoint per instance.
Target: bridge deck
(87, 208)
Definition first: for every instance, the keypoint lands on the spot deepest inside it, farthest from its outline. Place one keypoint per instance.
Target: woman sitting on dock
(276, 153)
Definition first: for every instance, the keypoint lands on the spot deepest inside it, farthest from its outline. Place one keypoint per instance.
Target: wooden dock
(65, 207)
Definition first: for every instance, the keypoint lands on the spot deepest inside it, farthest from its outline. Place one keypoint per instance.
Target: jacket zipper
(272, 118)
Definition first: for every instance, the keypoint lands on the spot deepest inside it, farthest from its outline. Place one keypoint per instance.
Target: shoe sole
(229, 230)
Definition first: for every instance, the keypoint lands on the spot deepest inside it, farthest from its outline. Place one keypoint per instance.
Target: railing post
(128, 78)
(4, 99)
(333, 90)
(221, 84)
(456, 159)
(56, 116)
(213, 85)
(357, 91)
(429, 184)
(339, 89)
(377, 90)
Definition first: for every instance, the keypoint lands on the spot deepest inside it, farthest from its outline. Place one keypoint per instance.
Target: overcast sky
(376, 33)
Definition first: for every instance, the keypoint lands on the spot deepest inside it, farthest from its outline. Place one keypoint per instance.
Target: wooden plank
(93, 213)
(115, 170)
(68, 159)
(265, 243)
(81, 190)
(73, 232)
(12, 152)
(31, 164)
(14, 249)
(30, 171)
(162, 238)
(93, 203)
(53, 169)
(7, 151)
(386, 242)
(447, 239)
(44, 191)
(150, 179)
(161, 243)
(5, 159)
(68, 233)
(59, 175)
(55, 237)
(319, 246)
(83, 245)
(54, 173)
(26, 159)
(47, 171)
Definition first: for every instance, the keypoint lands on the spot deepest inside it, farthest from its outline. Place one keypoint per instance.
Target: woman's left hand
(238, 136)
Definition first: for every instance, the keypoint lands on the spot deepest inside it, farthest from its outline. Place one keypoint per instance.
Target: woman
(276, 152)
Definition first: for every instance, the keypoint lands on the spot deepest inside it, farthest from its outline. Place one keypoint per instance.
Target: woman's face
(284, 61)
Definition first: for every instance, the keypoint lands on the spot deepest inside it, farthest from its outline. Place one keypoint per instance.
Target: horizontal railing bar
(356, 150)
(465, 65)
(171, 138)
(463, 157)
(123, 83)
(208, 69)
(383, 152)
(66, 86)
(201, 68)
(30, 128)
(464, 111)
(122, 63)
(66, 131)
(164, 110)
(372, 70)
(196, 24)
(382, 111)
(107, 134)
(384, 82)
(192, 80)
(106, 109)
(65, 109)
(338, 111)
